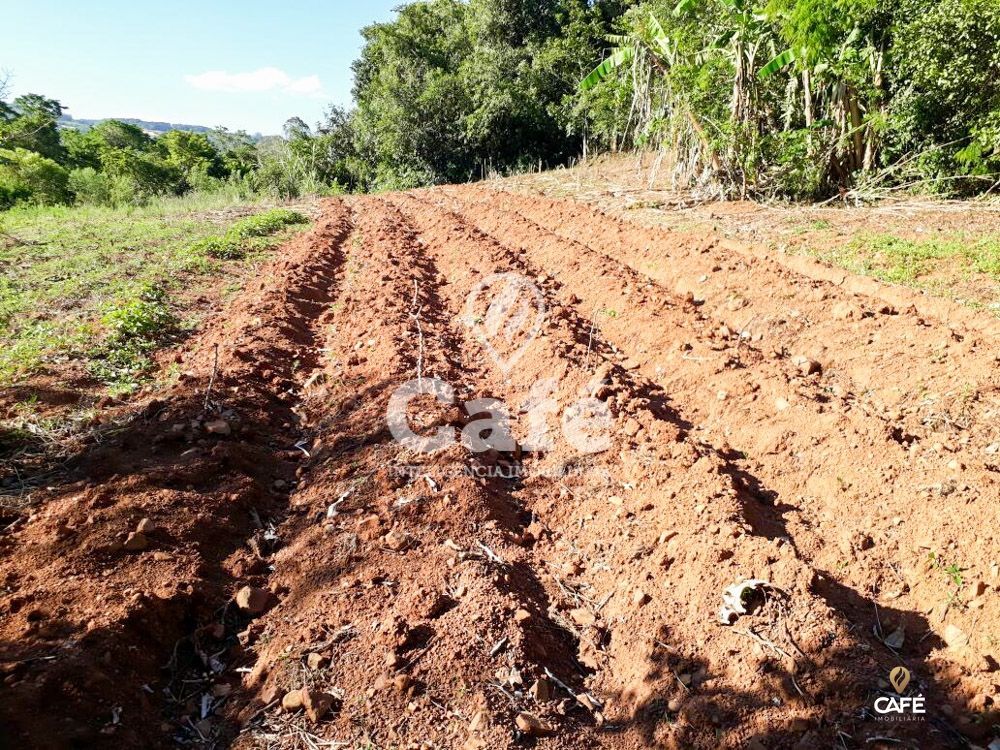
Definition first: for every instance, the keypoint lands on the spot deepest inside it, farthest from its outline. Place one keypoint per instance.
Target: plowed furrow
(869, 345)
(805, 451)
(644, 488)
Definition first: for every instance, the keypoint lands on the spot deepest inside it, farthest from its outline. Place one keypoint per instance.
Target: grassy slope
(74, 277)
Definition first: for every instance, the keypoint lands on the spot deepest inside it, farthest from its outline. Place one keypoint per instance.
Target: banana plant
(656, 45)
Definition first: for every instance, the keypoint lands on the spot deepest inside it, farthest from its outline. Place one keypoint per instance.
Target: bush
(945, 67)
(222, 248)
(12, 191)
(90, 186)
(266, 223)
(33, 177)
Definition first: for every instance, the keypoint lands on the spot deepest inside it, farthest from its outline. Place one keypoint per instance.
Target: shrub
(33, 177)
(223, 248)
(135, 327)
(235, 243)
(266, 223)
(90, 186)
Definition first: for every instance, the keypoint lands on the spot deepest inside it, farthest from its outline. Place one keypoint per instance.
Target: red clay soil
(836, 438)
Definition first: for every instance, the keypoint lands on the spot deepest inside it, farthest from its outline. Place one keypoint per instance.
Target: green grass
(931, 263)
(247, 235)
(102, 285)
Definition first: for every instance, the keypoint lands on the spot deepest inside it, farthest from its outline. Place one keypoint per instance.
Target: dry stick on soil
(415, 314)
(211, 379)
(590, 336)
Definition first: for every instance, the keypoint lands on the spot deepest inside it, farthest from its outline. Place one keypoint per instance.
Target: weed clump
(243, 236)
(135, 327)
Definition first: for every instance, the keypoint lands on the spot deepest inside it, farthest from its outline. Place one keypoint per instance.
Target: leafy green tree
(33, 126)
(190, 153)
(237, 150)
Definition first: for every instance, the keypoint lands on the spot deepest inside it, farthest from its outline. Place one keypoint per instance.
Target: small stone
(398, 541)
(541, 690)
(674, 705)
(146, 526)
(253, 600)
(583, 617)
(136, 542)
(845, 311)
(522, 616)
(632, 427)
(531, 725)
(292, 701)
(639, 598)
(805, 365)
(316, 703)
(218, 427)
(781, 404)
(402, 683)
(955, 637)
(316, 661)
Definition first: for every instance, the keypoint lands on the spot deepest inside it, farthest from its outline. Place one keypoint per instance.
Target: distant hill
(153, 128)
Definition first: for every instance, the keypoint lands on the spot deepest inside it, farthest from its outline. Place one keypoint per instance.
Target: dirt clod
(317, 704)
(254, 600)
(136, 542)
(531, 725)
(292, 700)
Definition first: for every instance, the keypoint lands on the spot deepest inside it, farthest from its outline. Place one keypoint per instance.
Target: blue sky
(247, 64)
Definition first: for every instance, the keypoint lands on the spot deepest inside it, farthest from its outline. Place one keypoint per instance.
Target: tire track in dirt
(533, 237)
(641, 687)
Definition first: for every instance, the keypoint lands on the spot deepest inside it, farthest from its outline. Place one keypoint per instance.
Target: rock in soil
(253, 600)
(531, 725)
(292, 700)
(316, 703)
(136, 542)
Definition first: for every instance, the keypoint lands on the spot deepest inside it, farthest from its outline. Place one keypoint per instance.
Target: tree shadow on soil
(826, 700)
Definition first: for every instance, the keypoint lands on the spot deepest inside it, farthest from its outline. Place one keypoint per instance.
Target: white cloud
(264, 79)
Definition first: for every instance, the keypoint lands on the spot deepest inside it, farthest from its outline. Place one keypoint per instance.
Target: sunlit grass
(938, 264)
(64, 270)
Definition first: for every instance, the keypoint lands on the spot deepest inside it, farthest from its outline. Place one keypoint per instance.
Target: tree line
(803, 99)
